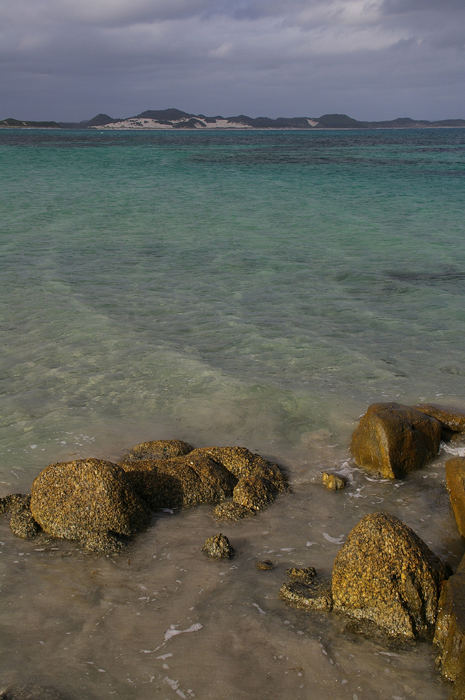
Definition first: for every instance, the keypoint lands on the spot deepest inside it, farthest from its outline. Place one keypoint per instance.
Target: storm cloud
(372, 59)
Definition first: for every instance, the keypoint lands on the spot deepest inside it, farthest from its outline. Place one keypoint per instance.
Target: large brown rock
(386, 574)
(451, 418)
(180, 481)
(450, 630)
(392, 439)
(455, 481)
(85, 498)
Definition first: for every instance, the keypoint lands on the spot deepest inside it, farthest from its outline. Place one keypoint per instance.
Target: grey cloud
(375, 59)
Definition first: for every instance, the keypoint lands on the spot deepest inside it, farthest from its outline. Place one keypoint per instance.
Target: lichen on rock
(386, 574)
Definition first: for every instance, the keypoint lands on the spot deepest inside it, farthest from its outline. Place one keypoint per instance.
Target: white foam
(255, 605)
(457, 451)
(333, 540)
(173, 632)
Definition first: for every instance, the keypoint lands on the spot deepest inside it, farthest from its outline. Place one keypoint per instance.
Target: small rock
(455, 481)
(386, 574)
(232, 511)
(333, 481)
(392, 440)
(302, 574)
(305, 597)
(218, 547)
(264, 565)
(23, 525)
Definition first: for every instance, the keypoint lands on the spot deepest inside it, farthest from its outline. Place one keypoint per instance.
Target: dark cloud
(371, 58)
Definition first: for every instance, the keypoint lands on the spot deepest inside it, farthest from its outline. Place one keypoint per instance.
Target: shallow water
(258, 289)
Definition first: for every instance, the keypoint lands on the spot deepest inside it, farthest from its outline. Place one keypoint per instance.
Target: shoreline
(231, 129)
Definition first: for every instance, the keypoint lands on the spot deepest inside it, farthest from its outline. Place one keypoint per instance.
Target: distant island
(177, 119)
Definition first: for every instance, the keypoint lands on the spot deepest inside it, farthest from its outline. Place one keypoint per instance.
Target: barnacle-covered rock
(180, 481)
(229, 510)
(242, 463)
(75, 500)
(157, 449)
(386, 574)
(316, 596)
(218, 547)
(254, 492)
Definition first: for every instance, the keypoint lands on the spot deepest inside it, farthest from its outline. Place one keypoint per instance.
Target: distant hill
(18, 124)
(173, 118)
(177, 119)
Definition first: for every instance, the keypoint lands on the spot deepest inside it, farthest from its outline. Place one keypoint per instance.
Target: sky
(372, 59)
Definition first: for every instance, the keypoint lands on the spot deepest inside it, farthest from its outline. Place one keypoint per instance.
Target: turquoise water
(280, 280)
(256, 288)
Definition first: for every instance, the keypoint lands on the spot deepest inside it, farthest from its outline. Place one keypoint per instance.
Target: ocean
(253, 288)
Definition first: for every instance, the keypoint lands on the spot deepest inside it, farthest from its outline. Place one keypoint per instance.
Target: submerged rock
(218, 547)
(455, 481)
(451, 418)
(303, 574)
(87, 499)
(232, 511)
(30, 692)
(316, 596)
(450, 630)
(332, 481)
(386, 574)
(392, 439)
(180, 481)
(157, 449)
(304, 591)
(264, 565)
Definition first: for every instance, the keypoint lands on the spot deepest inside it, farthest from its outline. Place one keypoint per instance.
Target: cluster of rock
(100, 504)
(384, 574)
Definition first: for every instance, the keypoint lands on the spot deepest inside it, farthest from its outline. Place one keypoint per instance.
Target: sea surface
(229, 288)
